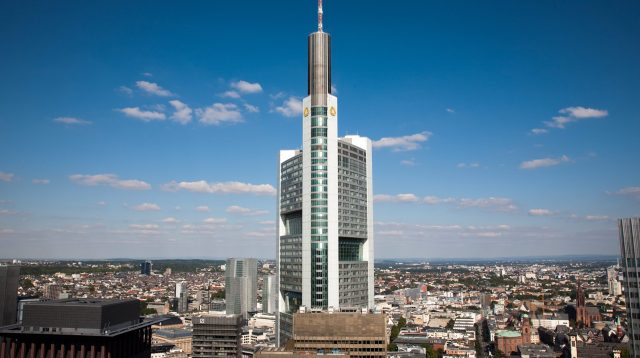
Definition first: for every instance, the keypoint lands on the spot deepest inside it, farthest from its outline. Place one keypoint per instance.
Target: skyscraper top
(319, 15)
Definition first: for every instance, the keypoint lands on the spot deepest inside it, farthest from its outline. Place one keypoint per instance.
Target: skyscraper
(241, 281)
(629, 232)
(182, 294)
(269, 294)
(146, 267)
(9, 276)
(325, 202)
(217, 336)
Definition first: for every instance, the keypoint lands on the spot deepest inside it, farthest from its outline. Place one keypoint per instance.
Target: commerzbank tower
(325, 206)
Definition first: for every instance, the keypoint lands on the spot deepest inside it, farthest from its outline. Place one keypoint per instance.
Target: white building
(269, 294)
(325, 206)
(241, 286)
(550, 321)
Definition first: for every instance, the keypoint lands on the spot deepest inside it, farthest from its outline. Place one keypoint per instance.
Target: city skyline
(496, 133)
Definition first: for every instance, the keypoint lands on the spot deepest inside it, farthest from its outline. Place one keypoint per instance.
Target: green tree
(26, 284)
(429, 351)
(450, 324)
(624, 353)
(144, 310)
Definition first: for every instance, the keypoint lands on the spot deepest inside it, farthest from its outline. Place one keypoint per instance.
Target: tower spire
(319, 15)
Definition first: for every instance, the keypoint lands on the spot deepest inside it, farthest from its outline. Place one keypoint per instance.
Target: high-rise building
(79, 328)
(182, 294)
(52, 291)
(325, 205)
(355, 334)
(615, 287)
(217, 336)
(269, 294)
(629, 233)
(241, 282)
(146, 267)
(9, 276)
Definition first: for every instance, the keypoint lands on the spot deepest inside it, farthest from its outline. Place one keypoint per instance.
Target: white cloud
(231, 187)
(538, 131)
(266, 232)
(146, 207)
(404, 143)
(219, 113)
(399, 198)
(451, 110)
(146, 116)
(71, 121)
(251, 108)
(147, 74)
(574, 114)
(408, 162)
(125, 90)
(633, 191)
(213, 220)
(494, 203)
(277, 95)
(182, 114)
(170, 220)
(540, 212)
(596, 217)
(6, 177)
(291, 107)
(144, 226)
(247, 87)
(544, 162)
(153, 88)
(203, 208)
(230, 94)
(334, 90)
(41, 181)
(582, 112)
(234, 209)
(433, 200)
(111, 180)
(468, 165)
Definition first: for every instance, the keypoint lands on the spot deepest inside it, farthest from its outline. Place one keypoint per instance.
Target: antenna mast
(319, 15)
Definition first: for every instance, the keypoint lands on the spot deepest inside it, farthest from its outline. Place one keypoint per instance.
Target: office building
(146, 267)
(615, 287)
(180, 338)
(182, 297)
(629, 233)
(269, 294)
(241, 282)
(52, 291)
(217, 336)
(325, 203)
(354, 334)
(79, 328)
(9, 276)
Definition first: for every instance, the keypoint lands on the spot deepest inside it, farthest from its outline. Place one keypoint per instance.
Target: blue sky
(151, 128)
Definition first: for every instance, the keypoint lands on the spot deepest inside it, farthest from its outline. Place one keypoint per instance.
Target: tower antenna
(319, 15)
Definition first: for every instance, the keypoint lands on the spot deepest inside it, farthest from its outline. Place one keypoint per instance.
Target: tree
(478, 348)
(450, 324)
(26, 284)
(624, 353)
(429, 351)
(144, 310)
